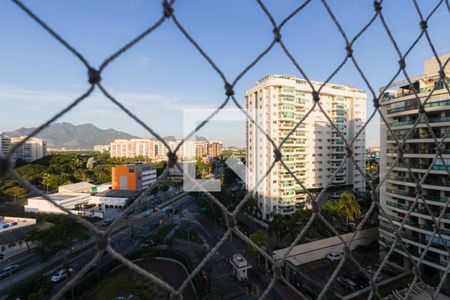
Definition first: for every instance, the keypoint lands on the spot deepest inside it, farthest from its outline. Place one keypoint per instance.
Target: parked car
(147, 244)
(334, 256)
(371, 274)
(360, 280)
(347, 283)
(106, 222)
(343, 229)
(59, 276)
(8, 270)
(351, 226)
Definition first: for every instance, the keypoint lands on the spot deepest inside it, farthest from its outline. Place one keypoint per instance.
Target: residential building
(133, 148)
(215, 148)
(135, 177)
(313, 152)
(102, 148)
(31, 150)
(5, 143)
(156, 150)
(398, 193)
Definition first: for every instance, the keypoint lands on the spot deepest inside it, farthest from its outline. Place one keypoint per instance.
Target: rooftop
(75, 187)
(118, 193)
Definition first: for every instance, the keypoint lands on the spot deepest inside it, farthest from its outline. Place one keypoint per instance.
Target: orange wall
(118, 171)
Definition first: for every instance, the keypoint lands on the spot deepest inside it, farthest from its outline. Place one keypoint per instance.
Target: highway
(122, 241)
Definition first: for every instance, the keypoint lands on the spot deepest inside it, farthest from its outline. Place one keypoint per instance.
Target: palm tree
(349, 207)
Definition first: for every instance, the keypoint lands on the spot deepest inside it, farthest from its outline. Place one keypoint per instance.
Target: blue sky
(164, 74)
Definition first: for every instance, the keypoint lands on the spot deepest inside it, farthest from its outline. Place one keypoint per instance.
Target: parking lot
(349, 279)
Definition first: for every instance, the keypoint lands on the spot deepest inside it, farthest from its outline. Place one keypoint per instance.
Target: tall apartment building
(313, 152)
(102, 148)
(156, 150)
(5, 143)
(134, 177)
(31, 150)
(201, 149)
(399, 191)
(133, 148)
(215, 148)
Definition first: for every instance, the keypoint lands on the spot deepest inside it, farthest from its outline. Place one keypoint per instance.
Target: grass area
(113, 287)
(160, 233)
(187, 233)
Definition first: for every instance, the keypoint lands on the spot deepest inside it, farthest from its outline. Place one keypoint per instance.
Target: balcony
(413, 195)
(410, 122)
(442, 181)
(418, 136)
(418, 166)
(398, 205)
(430, 150)
(412, 107)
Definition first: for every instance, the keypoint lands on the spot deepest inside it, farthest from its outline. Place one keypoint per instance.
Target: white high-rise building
(33, 149)
(156, 150)
(5, 143)
(134, 148)
(313, 152)
(399, 192)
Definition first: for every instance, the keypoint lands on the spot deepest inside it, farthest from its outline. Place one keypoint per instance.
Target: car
(351, 227)
(360, 280)
(347, 283)
(58, 276)
(334, 256)
(147, 244)
(343, 229)
(106, 222)
(8, 270)
(371, 274)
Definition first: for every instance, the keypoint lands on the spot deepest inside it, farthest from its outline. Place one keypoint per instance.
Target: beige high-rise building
(314, 152)
(201, 149)
(154, 150)
(399, 191)
(134, 148)
(31, 150)
(215, 148)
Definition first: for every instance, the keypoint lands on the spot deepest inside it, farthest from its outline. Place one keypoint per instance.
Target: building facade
(31, 150)
(398, 193)
(134, 177)
(155, 150)
(5, 143)
(313, 152)
(102, 148)
(215, 148)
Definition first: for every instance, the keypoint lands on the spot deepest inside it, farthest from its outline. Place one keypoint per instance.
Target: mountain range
(85, 136)
(69, 136)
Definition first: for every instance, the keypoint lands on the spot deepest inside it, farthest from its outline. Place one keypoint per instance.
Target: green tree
(349, 207)
(259, 239)
(54, 181)
(60, 238)
(16, 192)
